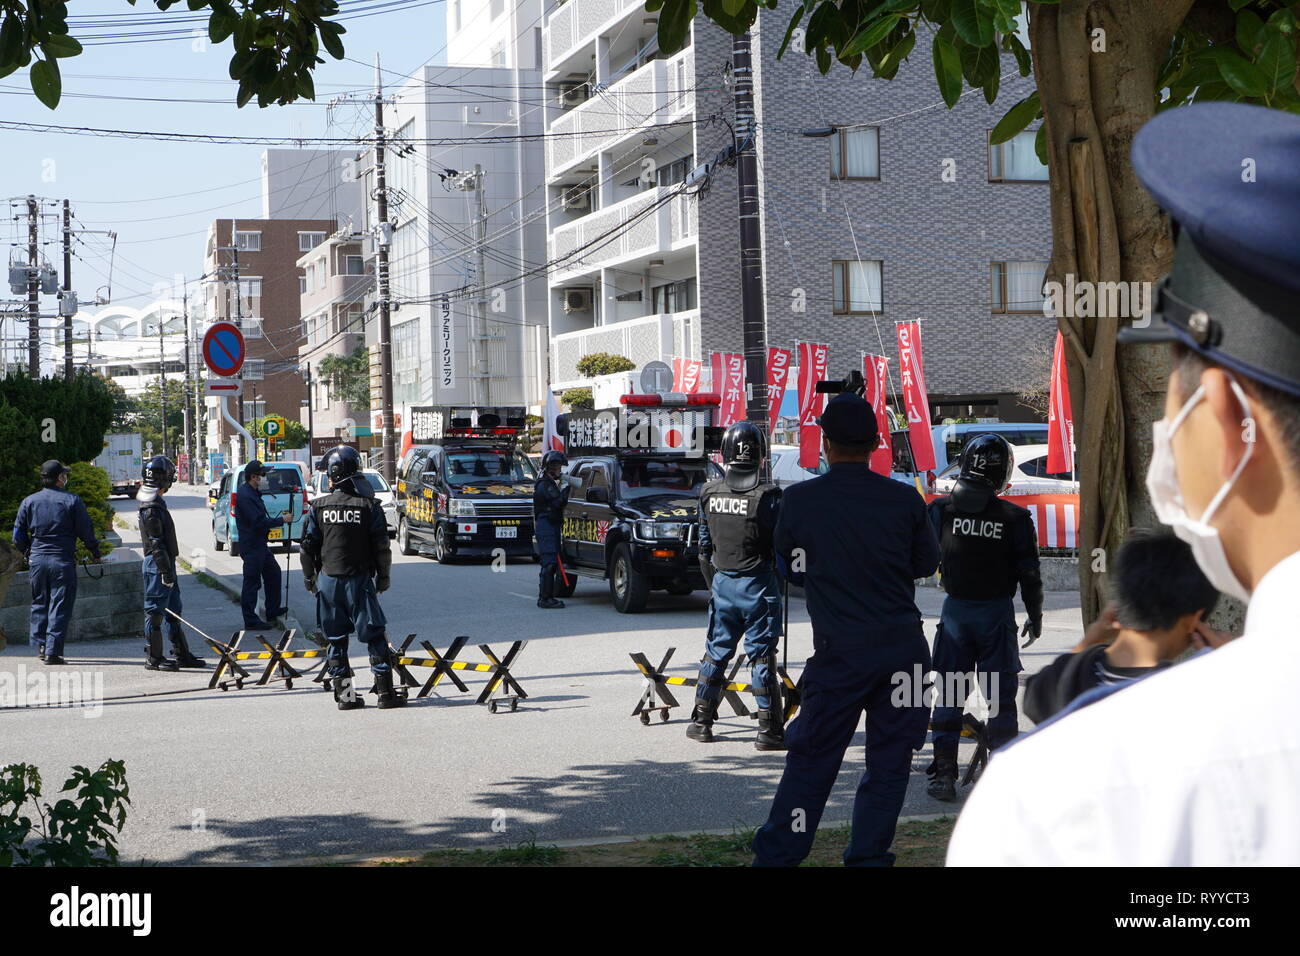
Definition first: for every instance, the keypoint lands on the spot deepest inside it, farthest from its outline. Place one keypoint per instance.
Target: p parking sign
(273, 427)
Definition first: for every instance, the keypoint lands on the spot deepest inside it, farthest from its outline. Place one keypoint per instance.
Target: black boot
(388, 697)
(153, 649)
(943, 773)
(771, 730)
(702, 718)
(345, 692)
(546, 591)
(182, 651)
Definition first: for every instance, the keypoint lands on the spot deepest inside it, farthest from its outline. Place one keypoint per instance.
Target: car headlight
(461, 508)
(661, 530)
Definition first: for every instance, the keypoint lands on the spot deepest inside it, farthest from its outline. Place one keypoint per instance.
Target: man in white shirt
(1200, 764)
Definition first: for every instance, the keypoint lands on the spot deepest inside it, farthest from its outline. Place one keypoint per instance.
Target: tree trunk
(1105, 228)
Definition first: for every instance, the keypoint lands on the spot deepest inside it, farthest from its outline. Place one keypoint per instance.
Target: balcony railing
(575, 22)
(659, 92)
(647, 339)
(656, 220)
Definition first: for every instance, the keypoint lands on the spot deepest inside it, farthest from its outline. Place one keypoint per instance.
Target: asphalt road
(270, 775)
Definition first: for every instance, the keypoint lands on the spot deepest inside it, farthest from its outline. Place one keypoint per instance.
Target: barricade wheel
(645, 719)
(239, 685)
(288, 683)
(663, 716)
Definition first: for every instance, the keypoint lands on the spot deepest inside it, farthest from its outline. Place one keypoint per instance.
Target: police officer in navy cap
(858, 541)
(737, 519)
(46, 530)
(253, 522)
(1121, 778)
(989, 548)
(346, 562)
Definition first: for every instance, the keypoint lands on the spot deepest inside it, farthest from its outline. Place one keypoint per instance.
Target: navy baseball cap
(1228, 174)
(848, 419)
(254, 467)
(52, 469)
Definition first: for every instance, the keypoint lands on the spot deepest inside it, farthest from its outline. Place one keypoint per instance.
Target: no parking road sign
(223, 348)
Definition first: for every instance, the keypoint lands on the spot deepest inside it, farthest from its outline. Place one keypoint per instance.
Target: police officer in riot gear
(346, 563)
(989, 547)
(46, 530)
(737, 518)
(549, 499)
(162, 591)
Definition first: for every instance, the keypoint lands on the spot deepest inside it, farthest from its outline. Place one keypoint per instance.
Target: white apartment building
(623, 236)
(467, 201)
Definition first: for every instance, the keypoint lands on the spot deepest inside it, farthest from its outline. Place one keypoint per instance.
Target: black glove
(706, 566)
(381, 583)
(1034, 627)
(168, 581)
(310, 584)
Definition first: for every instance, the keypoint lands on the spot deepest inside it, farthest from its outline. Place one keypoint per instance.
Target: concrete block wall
(107, 607)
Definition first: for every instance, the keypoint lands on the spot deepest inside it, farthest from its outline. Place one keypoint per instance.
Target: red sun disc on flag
(673, 438)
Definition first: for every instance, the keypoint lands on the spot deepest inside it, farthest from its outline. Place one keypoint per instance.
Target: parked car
(1029, 475)
(283, 492)
(786, 469)
(949, 440)
(320, 485)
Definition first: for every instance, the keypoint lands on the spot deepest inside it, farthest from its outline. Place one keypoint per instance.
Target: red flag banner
(778, 377)
(686, 375)
(875, 370)
(729, 382)
(915, 398)
(1060, 420)
(813, 360)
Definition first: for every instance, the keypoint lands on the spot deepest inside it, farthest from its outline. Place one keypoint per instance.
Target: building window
(855, 153)
(307, 241)
(1016, 160)
(248, 241)
(302, 284)
(673, 297)
(254, 410)
(254, 370)
(498, 54)
(355, 266)
(406, 362)
(1018, 286)
(251, 287)
(857, 286)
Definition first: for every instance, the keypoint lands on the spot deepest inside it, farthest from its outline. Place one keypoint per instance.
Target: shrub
(73, 832)
(603, 363)
(91, 483)
(578, 398)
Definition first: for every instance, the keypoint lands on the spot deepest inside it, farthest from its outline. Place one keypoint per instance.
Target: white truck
(121, 459)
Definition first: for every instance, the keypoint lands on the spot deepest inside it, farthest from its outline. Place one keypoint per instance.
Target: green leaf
(304, 85)
(674, 25)
(789, 31)
(872, 34)
(1240, 74)
(334, 46)
(1238, 4)
(46, 82)
(947, 69)
(734, 7)
(1040, 144)
(897, 54)
(1012, 44)
(245, 94)
(1277, 61)
(990, 85)
(1016, 119)
(1250, 31)
(973, 21)
(61, 45)
(980, 64)
(11, 40)
(221, 24)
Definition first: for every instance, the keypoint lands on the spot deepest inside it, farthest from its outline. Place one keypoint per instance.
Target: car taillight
(232, 502)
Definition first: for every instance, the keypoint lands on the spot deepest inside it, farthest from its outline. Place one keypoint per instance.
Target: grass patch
(207, 580)
(918, 843)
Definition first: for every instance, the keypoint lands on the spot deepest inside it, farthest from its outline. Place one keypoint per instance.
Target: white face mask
(1167, 499)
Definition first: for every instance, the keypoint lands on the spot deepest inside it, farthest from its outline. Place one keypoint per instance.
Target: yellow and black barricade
(277, 657)
(446, 665)
(657, 684)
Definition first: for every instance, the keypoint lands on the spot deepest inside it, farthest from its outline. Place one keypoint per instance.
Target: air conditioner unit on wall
(571, 94)
(577, 300)
(577, 197)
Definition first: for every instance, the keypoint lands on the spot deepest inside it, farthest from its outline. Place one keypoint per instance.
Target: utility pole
(33, 291)
(480, 335)
(185, 387)
(311, 408)
(162, 382)
(381, 278)
(753, 313)
(66, 301)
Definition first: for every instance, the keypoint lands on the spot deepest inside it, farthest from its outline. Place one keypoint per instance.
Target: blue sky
(116, 183)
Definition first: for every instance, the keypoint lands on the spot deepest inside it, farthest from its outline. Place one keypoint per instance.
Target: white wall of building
(311, 184)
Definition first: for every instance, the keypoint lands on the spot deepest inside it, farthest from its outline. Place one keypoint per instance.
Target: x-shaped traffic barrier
(657, 684)
(228, 663)
(446, 665)
(277, 657)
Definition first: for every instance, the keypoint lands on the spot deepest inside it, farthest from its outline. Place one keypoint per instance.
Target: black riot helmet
(985, 467)
(158, 472)
(341, 463)
(743, 449)
(553, 458)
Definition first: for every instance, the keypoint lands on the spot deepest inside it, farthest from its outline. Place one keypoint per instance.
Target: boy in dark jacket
(1159, 600)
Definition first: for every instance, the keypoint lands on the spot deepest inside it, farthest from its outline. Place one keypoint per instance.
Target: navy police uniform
(549, 500)
(252, 522)
(346, 559)
(861, 540)
(736, 531)
(46, 530)
(989, 548)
